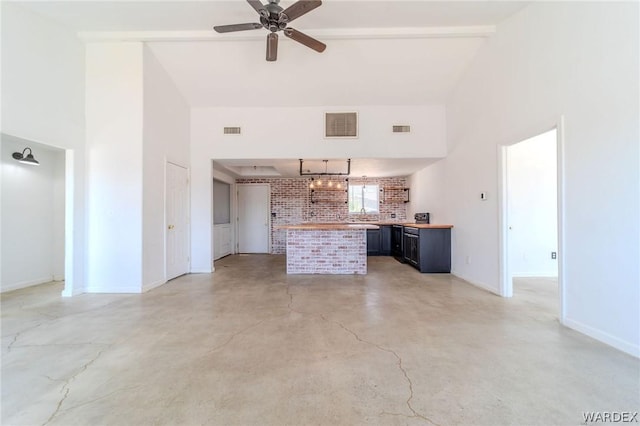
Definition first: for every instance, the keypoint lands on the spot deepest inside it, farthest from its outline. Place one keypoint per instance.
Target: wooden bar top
(329, 226)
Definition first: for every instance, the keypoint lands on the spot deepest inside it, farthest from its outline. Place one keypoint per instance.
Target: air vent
(232, 130)
(341, 125)
(401, 129)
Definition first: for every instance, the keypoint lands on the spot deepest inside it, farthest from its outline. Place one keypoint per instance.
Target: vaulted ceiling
(379, 52)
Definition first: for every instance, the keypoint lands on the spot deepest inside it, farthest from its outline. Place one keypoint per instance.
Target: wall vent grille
(401, 129)
(232, 130)
(341, 125)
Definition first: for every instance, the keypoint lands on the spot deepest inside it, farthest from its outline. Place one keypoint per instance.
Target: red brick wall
(291, 203)
(326, 251)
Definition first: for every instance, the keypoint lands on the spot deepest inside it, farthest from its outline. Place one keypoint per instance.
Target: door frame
(237, 221)
(506, 279)
(188, 227)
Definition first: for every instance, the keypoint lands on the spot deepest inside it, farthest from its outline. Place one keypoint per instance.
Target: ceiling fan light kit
(274, 18)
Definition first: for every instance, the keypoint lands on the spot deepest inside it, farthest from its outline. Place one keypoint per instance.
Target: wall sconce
(28, 159)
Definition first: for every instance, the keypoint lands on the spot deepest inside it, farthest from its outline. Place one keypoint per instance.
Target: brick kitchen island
(323, 248)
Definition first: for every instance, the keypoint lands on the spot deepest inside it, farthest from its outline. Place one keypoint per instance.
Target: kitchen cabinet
(379, 241)
(373, 242)
(397, 243)
(428, 249)
(385, 240)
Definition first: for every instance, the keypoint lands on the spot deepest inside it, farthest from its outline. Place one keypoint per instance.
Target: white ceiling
(380, 52)
(202, 15)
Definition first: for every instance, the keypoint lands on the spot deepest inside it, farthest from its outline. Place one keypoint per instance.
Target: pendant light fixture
(26, 159)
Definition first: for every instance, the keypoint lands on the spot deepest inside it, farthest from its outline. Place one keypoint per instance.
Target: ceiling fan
(274, 18)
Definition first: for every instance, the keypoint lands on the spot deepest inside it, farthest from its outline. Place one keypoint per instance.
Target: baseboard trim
(25, 284)
(624, 346)
(534, 275)
(202, 271)
(478, 284)
(113, 290)
(76, 291)
(151, 286)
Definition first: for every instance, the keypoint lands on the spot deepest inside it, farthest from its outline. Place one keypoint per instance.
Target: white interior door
(254, 218)
(177, 215)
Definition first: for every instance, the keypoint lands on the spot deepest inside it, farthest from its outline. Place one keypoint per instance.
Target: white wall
(32, 227)
(579, 60)
(166, 139)
(43, 101)
(532, 206)
(427, 192)
(114, 119)
(297, 133)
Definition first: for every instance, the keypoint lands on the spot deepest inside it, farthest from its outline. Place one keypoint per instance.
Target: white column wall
(166, 138)
(579, 60)
(114, 105)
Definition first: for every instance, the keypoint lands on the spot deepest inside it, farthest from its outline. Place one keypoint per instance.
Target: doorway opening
(222, 232)
(33, 216)
(531, 219)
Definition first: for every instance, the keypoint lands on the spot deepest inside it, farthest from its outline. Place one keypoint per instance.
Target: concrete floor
(249, 345)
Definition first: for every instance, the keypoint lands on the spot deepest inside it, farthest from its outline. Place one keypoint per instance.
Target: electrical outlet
(468, 260)
(554, 255)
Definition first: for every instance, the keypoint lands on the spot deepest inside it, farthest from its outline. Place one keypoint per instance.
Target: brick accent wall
(326, 251)
(291, 203)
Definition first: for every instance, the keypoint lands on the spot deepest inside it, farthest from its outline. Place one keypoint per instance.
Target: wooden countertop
(427, 226)
(329, 226)
(360, 225)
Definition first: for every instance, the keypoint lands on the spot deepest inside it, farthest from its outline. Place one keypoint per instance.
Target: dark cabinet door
(396, 242)
(435, 250)
(385, 240)
(373, 242)
(412, 249)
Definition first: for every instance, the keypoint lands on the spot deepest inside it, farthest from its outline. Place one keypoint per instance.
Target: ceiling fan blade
(299, 8)
(305, 39)
(236, 27)
(259, 7)
(272, 47)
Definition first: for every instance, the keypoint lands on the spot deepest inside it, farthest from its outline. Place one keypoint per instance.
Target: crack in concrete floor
(234, 335)
(399, 359)
(19, 333)
(381, 348)
(66, 386)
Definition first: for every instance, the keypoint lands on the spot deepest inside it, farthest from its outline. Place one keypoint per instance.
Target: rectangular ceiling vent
(341, 125)
(232, 130)
(401, 129)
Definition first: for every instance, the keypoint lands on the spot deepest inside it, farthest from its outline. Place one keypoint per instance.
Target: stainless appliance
(421, 217)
